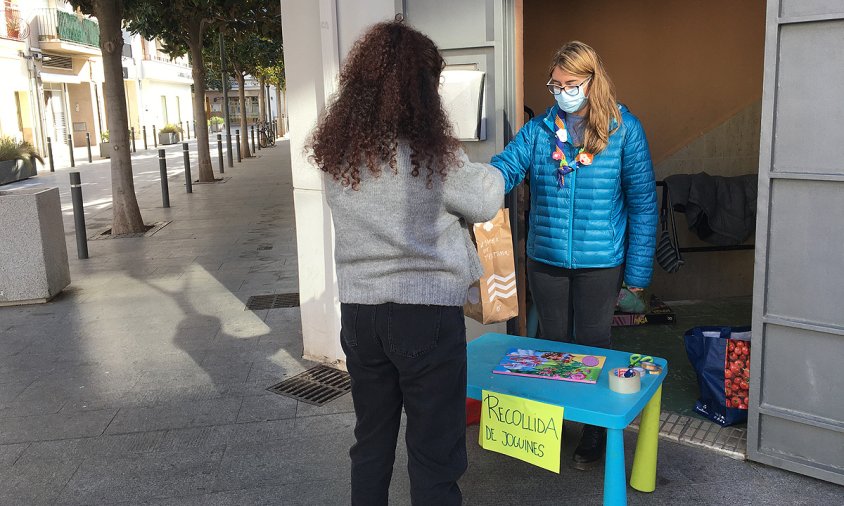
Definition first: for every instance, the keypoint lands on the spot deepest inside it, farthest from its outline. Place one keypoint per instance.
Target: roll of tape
(625, 381)
(651, 368)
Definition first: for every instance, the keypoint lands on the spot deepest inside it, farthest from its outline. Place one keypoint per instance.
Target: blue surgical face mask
(571, 103)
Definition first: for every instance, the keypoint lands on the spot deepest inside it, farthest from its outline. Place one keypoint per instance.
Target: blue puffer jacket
(604, 216)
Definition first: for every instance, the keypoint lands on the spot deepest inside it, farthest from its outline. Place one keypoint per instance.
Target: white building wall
(316, 36)
(152, 112)
(15, 78)
(157, 78)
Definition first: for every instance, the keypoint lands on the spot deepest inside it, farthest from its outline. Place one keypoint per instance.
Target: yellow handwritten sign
(523, 429)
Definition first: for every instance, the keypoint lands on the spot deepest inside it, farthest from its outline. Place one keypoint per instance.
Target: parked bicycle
(266, 135)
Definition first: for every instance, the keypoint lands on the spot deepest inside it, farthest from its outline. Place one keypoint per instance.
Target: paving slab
(94, 447)
(176, 415)
(9, 454)
(259, 464)
(31, 482)
(306, 493)
(55, 426)
(139, 477)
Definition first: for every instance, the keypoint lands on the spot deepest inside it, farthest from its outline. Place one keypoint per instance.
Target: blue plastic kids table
(593, 404)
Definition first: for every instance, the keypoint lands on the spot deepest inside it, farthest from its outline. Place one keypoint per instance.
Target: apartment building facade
(52, 84)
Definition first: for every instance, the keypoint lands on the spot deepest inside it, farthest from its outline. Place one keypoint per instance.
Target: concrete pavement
(144, 382)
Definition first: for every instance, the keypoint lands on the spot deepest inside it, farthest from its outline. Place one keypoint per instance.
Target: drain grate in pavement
(265, 247)
(318, 385)
(272, 301)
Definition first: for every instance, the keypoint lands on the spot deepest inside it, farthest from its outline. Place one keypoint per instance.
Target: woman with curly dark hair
(401, 192)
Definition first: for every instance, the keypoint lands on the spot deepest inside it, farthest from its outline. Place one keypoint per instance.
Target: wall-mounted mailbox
(462, 93)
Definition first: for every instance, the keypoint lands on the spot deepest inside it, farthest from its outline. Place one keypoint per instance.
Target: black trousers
(412, 356)
(575, 305)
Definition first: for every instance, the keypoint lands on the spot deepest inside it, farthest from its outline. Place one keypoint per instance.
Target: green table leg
(643, 477)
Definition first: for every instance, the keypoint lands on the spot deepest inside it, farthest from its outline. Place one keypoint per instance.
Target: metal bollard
(154, 137)
(70, 149)
(237, 141)
(229, 154)
(220, 152)
(253, 138)
(88, 142)
(188, 181)
(132, 133)
(259, 139)
(144, 129)
(79, 216)
(50, 154)
(194, 128)
(165, 189)
(187, 130)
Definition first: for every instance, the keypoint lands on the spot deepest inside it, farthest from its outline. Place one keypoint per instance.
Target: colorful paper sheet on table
(527, 430)
(554, 365)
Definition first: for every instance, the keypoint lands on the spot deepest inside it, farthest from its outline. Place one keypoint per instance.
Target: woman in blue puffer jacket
(593, 215)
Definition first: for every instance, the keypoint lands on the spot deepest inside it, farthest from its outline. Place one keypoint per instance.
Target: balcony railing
(54, 24)
(181, 61)
(12, 24)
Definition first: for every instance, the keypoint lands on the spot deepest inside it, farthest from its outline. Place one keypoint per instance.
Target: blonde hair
(581, 60)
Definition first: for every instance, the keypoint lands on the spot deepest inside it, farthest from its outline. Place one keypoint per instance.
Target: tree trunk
(279, 117)
(262, 116)
(203, 152)
(241, 94)
(125, 211)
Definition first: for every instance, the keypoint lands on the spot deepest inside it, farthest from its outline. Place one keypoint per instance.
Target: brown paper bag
(493, 298)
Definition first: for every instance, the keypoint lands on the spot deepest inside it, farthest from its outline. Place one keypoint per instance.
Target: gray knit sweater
(398, 241)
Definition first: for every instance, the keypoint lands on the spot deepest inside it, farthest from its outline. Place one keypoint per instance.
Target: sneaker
(591, 449)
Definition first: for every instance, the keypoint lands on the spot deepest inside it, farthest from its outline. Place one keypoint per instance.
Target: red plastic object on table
(473, 412)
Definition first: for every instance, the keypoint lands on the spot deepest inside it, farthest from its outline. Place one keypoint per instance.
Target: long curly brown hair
(388, 91)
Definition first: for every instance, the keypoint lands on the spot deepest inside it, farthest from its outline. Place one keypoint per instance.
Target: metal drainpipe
(34, 96)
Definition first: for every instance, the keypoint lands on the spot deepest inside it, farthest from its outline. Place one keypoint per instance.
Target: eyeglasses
(556, 89)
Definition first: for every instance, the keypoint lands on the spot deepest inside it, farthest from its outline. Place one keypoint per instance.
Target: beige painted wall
(682, 67)
(692, 73)
(24, 107)
(132, 100)
(731, 148)
(79, 97)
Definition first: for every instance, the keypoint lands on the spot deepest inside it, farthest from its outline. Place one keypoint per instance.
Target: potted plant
(17, 160)
(13, 24)
(105, 145)
(215, 123)
(169, 134)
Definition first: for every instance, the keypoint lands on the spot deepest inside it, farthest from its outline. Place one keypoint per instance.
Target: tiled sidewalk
(144, 382)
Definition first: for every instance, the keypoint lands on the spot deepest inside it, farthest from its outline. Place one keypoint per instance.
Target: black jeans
(415, 356)
(578, 300)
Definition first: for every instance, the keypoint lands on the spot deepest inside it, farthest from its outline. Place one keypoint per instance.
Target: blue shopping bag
(720, 357)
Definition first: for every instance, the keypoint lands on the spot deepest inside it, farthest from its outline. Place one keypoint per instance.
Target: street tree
(262, 103)
(126, 215)
(252, 33)
(274, 75)
(182, 27)
(239, 53)
(250, 54)
(211, 56)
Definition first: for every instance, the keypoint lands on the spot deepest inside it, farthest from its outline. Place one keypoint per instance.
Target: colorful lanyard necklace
(582, 158)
